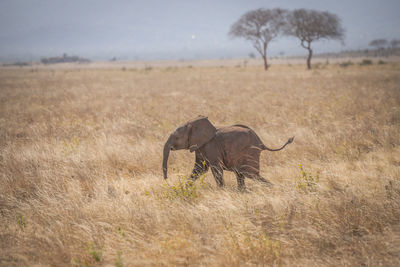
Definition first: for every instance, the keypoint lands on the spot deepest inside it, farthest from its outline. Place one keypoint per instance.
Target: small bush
(381, 62)
(71, 146)
(21, 220)
(118, 261)
(95, 253)
(171, 68)
(185, 190)
(254, 246)
(319, 65)
(121, 231)
(307, 182)
(366, 62)
(346, 64)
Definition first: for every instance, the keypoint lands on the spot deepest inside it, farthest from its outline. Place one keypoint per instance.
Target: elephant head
(192, 135)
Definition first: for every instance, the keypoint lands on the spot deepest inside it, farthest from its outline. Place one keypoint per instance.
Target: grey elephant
(235, 148)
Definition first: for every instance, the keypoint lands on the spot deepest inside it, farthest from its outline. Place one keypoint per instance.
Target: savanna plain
(81, 180)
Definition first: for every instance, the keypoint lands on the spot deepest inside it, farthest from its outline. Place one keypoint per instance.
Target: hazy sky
(101, 29)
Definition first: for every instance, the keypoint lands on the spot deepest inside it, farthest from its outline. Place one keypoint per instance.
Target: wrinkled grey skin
(234, 148)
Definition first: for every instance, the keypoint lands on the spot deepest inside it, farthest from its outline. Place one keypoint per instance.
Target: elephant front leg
(200, 167)
(218, 173)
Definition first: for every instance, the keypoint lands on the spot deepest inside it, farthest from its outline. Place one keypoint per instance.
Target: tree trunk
(265, 56)
(265, 62)
(309, 58)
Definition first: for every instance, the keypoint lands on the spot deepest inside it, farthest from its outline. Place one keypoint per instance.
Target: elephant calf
(234, 148)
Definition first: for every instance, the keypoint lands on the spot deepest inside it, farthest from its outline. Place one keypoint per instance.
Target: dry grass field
(81, 180)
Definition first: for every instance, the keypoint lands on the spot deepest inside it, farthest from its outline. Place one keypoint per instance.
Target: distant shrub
(18, 64)
(170, 68)
(64, 59)
(381, 62)
(346, 64)
(318, 65)
(366, 62)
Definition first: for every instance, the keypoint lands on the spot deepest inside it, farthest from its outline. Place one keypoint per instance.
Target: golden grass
(81, 180)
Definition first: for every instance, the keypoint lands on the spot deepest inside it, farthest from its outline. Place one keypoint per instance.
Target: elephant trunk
(167, 148)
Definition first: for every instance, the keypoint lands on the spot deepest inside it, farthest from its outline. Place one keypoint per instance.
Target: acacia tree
(260, 27)
(395, 43)
(311, 25)
(380, 44)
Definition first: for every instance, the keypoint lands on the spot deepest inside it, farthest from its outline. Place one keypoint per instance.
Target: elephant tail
(264, 147)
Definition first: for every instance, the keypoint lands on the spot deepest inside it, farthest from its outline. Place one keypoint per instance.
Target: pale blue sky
(152, 29)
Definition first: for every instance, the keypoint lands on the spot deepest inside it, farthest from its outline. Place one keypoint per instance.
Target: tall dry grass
(81, 181)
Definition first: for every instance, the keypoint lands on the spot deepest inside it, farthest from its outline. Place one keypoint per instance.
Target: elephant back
(237, 138)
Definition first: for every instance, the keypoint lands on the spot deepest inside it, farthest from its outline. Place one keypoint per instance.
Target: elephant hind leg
(240, 181)
(254, 173)
(263, 180)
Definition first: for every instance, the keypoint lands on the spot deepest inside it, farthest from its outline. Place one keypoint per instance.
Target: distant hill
(64, 59)
(363, 53)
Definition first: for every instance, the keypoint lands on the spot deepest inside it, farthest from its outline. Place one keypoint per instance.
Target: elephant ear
(201, 132)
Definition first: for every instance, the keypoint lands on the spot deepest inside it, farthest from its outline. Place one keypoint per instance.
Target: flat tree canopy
(379, 43)
(311, 25)
(260, 27)
(395, 43)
